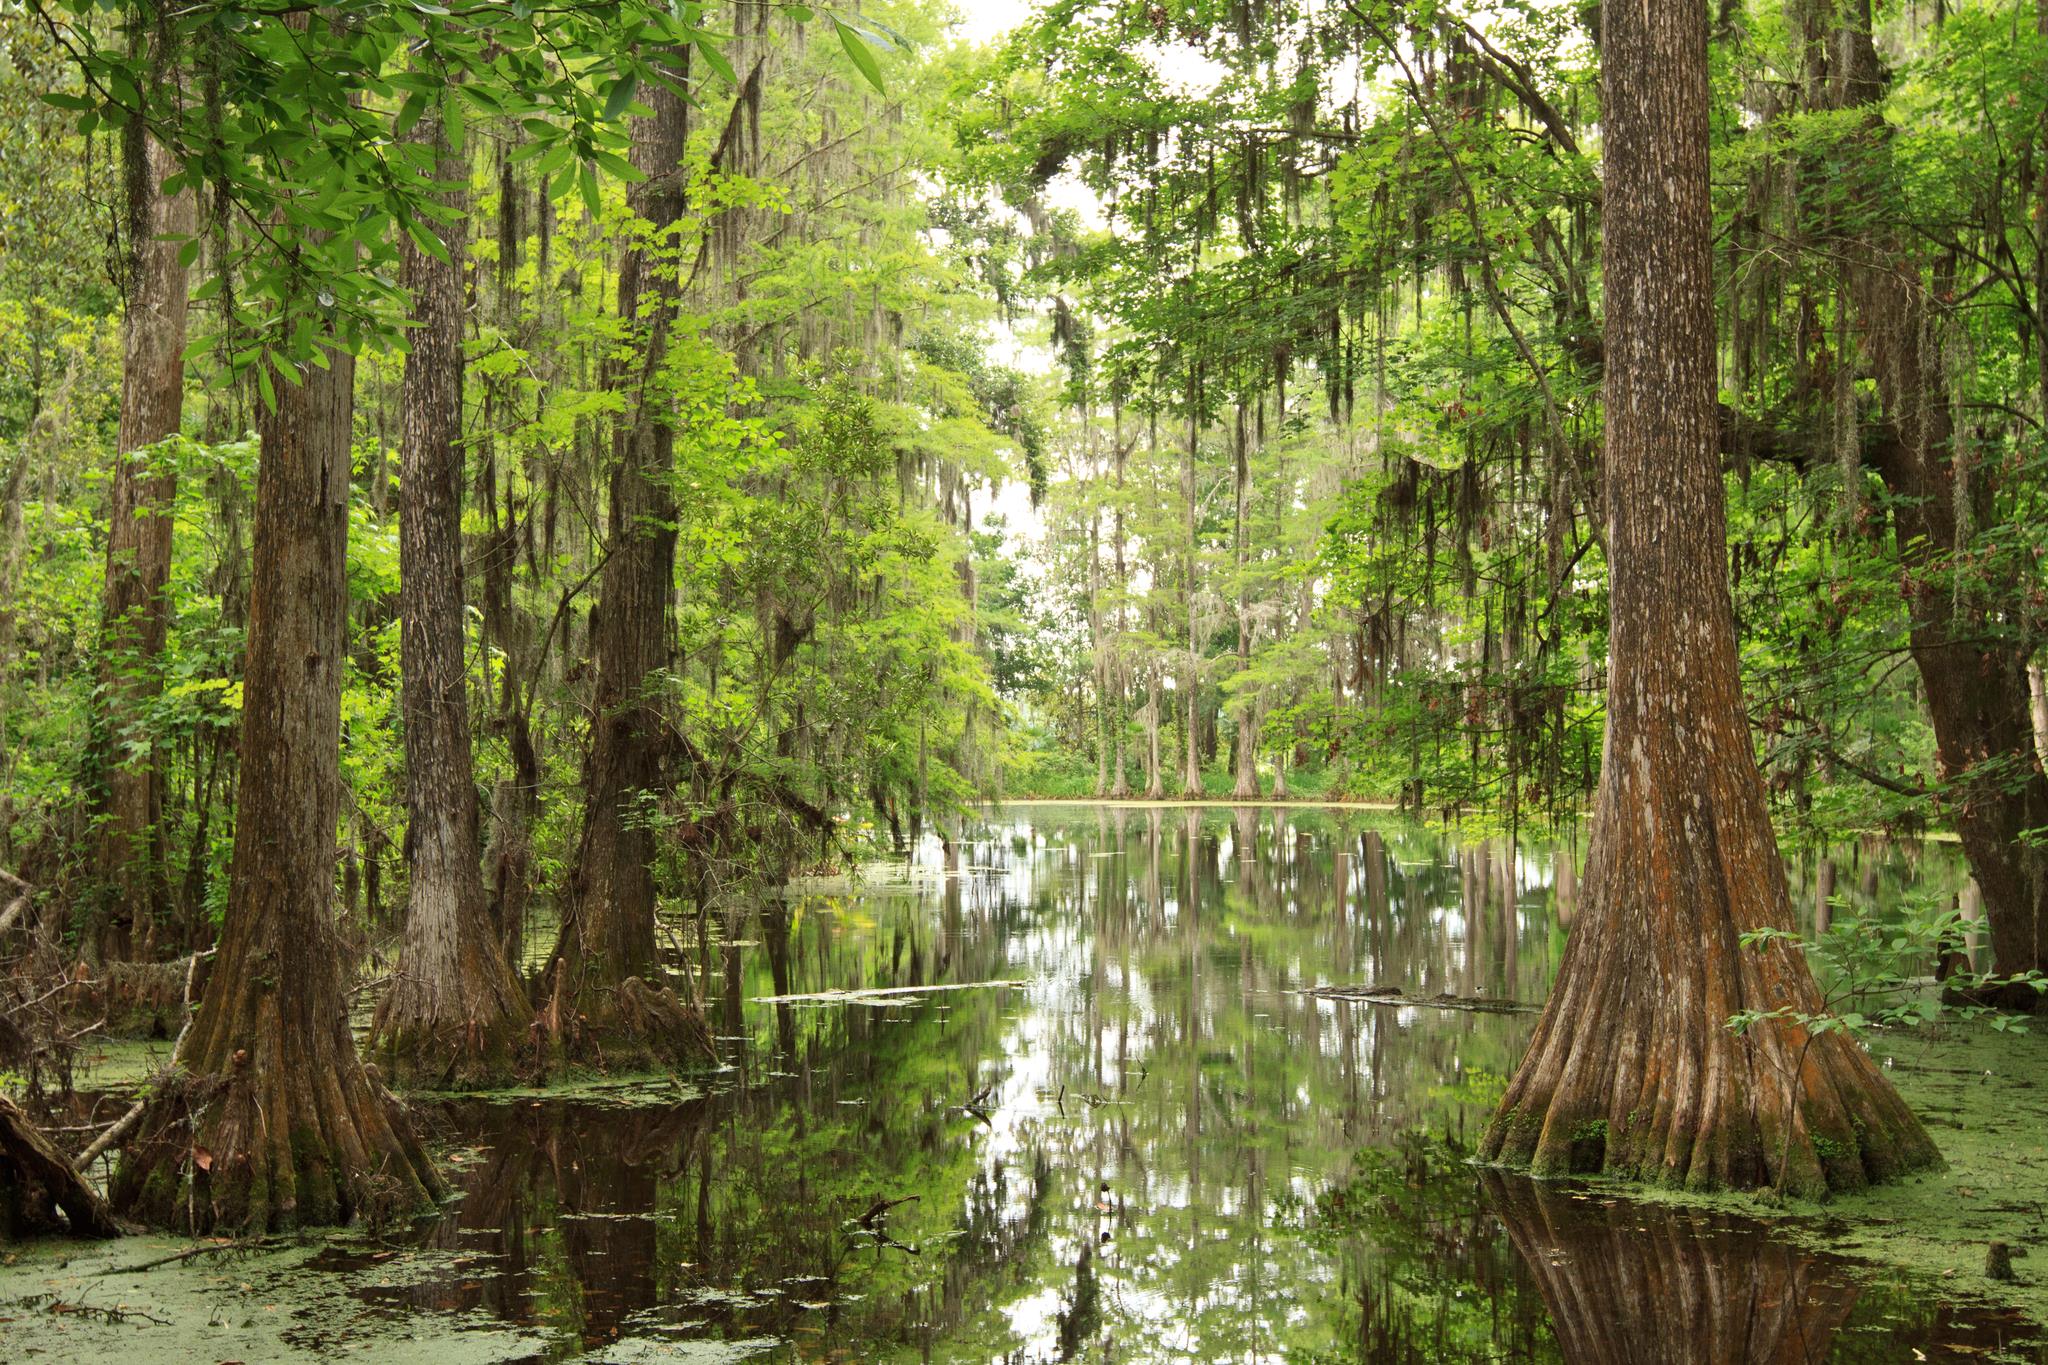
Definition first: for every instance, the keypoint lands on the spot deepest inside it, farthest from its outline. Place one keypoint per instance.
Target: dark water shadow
(1625, 1283)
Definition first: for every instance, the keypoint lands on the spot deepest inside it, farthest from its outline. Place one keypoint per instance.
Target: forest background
(1161, 400)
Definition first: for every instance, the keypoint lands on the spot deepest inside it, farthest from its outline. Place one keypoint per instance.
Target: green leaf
(588, 178)
(619, 166)
(621, 97)
(717, 59)
(426, 240)
(863, 56)
(452, 122)
(409, 114)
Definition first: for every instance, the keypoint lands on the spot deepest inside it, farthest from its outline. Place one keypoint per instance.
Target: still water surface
(1159, 1143)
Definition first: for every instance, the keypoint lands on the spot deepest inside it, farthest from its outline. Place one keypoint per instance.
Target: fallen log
(17, 903)
(40, 1190)
(1394, 997)
(881, 993)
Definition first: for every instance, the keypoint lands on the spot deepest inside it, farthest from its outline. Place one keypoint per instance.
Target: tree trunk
(1155, 780)
(2037, 685)
(13, 482)
(277, 1124)
(1191, 774)
(456, 1013)
(1972, 667)
(604, 1000)
(1099, 655)
(1823, 897)
(1245, 750)
(128, 841)
(1973, 674)
(1120, 785)
(1633, 1068)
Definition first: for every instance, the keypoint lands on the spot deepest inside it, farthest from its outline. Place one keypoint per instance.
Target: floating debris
(1443, 1000)
(883, 992)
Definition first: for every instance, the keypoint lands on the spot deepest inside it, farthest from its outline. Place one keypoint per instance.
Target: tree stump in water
(41, 1192)
(626, 1027)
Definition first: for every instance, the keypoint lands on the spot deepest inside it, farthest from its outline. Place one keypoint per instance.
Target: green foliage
(1872, 968)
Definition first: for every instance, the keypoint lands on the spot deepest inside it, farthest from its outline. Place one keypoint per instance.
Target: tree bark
(1633, 1068)
(1119, 666)
(41, 1191)
(13, 482)
(1100, 654)
(277, 1124)
(1155, 780)
(2037, 684)
(1191, 772)
(603, 998)
(456, 1014)
(1972, 666)
(1245, 750)
(135, 613)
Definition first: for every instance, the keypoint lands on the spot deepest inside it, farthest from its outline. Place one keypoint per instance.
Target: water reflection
(1623, 1283)
(1164, 1147)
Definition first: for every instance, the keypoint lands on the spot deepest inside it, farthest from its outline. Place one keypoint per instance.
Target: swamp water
(1155, 1143)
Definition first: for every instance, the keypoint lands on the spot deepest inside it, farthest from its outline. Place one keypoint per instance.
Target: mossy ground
(1983, 1095)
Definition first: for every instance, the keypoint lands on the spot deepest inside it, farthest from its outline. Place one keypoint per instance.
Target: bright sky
(983, 21)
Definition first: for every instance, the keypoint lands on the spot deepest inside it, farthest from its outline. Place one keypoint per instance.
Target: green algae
(1983, 1095)
(119, 1065)
(293, 1300)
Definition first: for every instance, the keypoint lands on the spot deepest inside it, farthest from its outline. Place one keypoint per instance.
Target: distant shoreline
(1305, 803)
(1939, 836)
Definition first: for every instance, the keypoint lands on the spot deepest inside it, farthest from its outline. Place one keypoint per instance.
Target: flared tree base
(1637, 1071)
(247, 1153)
(419, 1052)
(477, 1036)
(633, 1026)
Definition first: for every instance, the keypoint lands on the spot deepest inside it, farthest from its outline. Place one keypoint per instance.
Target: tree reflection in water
(1165, 1148)
(1628, 1282)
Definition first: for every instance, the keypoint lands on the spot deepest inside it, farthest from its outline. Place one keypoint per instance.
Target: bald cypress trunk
(456, 1013)
(1245, 750)
(603, 1000)
(1633, 1069)
(275, 1123)
(1155, 780)
(135, 613)
(1191, 682)
(1971, 658)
